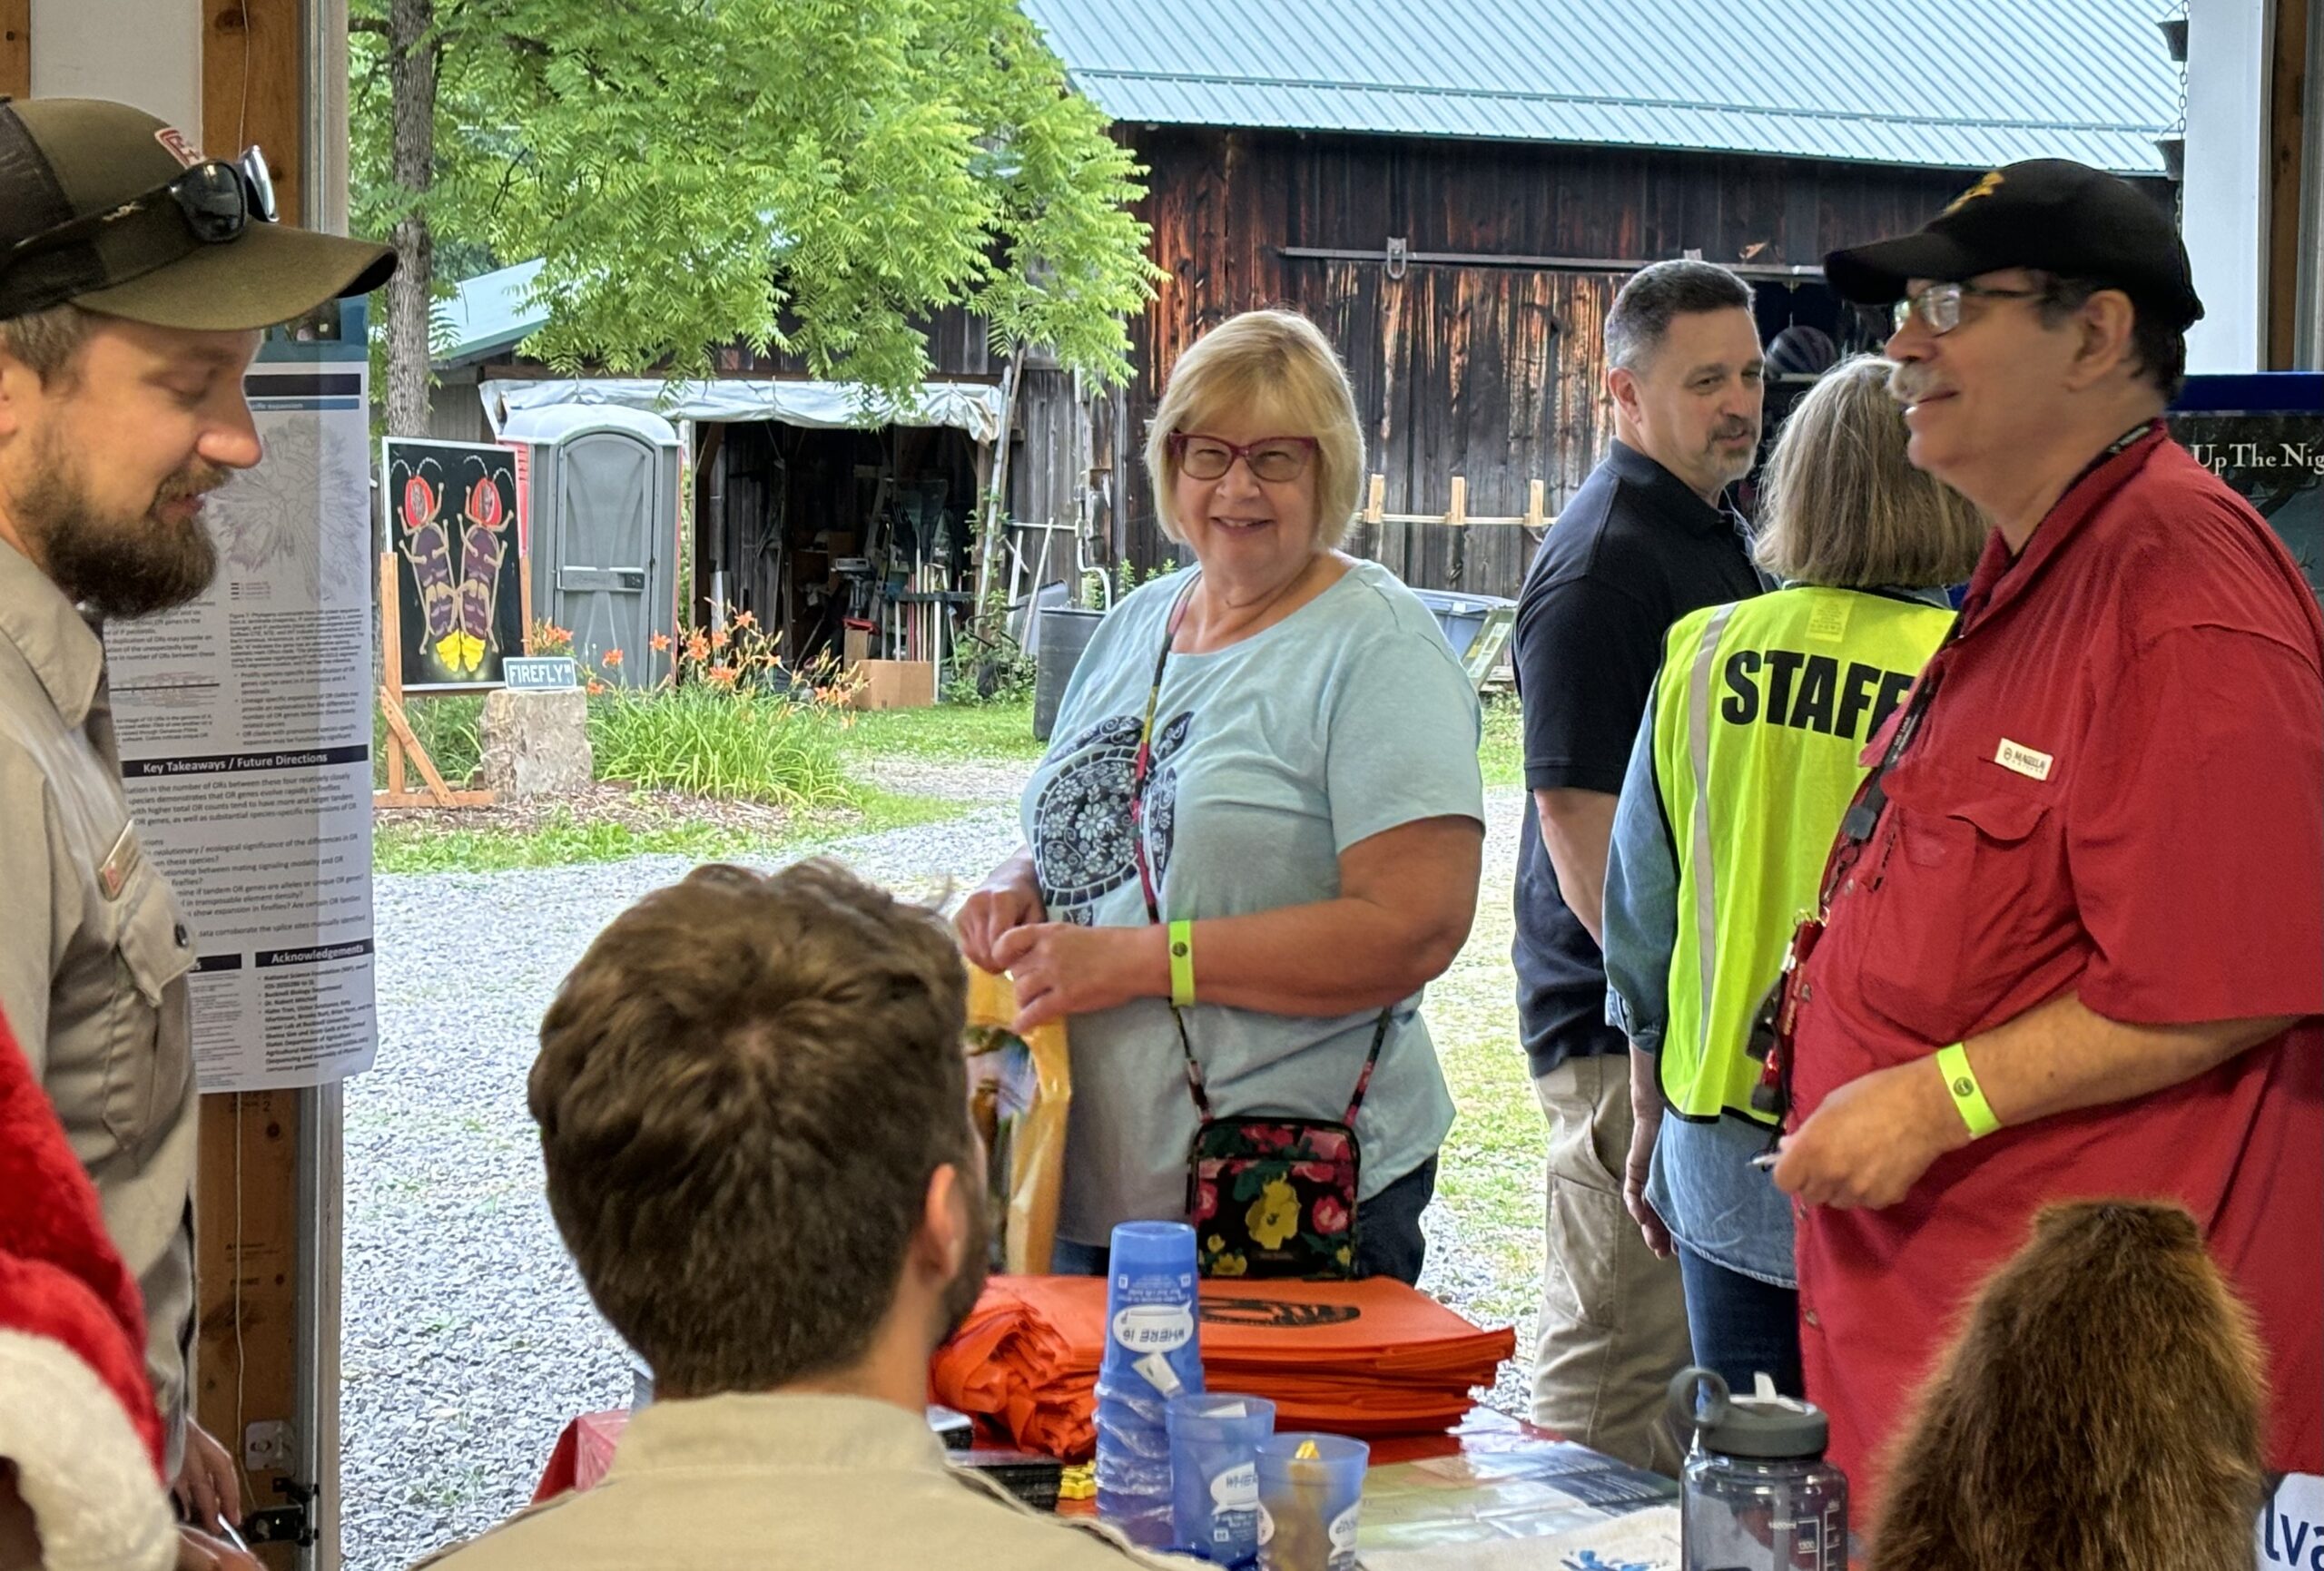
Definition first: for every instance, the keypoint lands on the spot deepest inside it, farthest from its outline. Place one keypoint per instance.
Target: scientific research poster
(245, 726)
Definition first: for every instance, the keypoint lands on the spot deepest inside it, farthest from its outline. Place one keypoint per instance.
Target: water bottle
(1152, 1354)
(1756, 1494)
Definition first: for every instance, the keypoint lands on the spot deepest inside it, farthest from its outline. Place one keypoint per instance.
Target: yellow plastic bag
(1021, 1090)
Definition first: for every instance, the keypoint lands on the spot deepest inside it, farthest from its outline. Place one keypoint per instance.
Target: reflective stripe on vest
(1761, 713)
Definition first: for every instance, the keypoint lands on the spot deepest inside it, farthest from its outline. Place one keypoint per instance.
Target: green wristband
(1968, 1096)
(1182, 964)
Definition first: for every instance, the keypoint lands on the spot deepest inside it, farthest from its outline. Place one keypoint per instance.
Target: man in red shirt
(2074, 929)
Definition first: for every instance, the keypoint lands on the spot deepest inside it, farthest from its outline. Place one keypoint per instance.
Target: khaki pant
(1613, 1327)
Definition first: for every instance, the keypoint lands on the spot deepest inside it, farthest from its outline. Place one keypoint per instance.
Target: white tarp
(970, 407)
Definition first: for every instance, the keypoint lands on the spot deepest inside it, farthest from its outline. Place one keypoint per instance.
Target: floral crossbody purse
(1269, 1194)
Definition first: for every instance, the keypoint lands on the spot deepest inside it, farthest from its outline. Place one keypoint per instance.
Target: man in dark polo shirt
(2073, 928)
(1643, 542)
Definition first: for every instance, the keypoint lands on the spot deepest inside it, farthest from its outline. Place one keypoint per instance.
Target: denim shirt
(1702, 1186)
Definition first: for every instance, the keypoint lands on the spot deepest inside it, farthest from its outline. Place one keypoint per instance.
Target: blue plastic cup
(1214, 1468)
(1150, 1308)
(1307, 1505)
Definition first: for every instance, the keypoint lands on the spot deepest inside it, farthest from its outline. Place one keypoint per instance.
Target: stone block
(535, 743)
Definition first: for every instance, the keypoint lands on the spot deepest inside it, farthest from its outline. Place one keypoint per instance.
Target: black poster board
(2264, 435)
(450, 523)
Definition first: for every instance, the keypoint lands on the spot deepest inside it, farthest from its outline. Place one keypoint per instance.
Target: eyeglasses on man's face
(1939, 305)
(1271, 459)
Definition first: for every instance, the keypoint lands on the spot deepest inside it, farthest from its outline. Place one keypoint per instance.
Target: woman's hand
(1062, 969)
(1635, 1174)
(1008, 900)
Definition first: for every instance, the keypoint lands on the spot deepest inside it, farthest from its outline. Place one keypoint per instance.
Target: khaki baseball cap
(68, 158)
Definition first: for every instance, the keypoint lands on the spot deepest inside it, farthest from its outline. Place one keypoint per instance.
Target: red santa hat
(76, 1411)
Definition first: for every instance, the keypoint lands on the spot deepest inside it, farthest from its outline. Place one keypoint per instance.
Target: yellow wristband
(1968, 1096)
(1182, 964)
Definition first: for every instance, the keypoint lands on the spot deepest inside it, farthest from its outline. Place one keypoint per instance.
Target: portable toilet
(603, 530)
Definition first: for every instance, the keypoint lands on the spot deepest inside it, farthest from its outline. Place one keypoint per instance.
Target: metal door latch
(290, 1524)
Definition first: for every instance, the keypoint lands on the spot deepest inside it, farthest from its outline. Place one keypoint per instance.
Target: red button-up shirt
(2117, 791)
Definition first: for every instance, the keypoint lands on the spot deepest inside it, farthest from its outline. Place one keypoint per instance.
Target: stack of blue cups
(1152, 1354)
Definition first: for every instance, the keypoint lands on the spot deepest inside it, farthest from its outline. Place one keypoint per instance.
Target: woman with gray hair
(1254, 840)
(1746, 759)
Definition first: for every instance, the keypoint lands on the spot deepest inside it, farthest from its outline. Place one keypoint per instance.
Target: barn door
(1493, 374)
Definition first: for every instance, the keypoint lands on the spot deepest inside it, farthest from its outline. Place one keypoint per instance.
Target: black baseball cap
(2047, 213)
(67, 159)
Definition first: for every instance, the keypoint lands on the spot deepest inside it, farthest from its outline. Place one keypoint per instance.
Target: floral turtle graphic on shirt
(1081, 830)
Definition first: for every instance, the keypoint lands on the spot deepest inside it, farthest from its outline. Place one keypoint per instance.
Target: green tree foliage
(812, 176)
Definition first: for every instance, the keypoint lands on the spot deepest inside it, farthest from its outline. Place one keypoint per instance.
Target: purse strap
(1141, 774)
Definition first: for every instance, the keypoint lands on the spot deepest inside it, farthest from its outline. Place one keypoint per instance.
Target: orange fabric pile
(1350, 1358)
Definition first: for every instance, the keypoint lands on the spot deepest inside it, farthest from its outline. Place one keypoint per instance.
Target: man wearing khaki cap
(136, 277)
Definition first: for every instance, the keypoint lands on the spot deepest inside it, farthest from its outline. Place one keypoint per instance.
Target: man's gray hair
(1644, 309)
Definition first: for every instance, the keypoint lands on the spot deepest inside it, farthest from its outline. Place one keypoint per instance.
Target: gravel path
(468, 1340)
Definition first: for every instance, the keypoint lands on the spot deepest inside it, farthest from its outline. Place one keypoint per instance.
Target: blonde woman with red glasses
(1254, 841)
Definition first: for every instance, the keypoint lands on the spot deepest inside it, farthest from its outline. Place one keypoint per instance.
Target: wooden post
(250, 90)
(391, 664)
(525, 601)
(1458, 513)
(248, 1264)
(1377, 501)
(1533, 490)
(16, 48)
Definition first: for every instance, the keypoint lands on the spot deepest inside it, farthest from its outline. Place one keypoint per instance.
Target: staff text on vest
(1810, 692)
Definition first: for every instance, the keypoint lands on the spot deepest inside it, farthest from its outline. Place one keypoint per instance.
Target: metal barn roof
(1965, 83)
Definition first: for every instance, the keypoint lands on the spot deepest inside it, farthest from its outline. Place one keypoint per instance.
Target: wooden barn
(1455, 192)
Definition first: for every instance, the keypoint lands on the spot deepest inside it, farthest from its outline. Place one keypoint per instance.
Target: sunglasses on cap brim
(216, 199)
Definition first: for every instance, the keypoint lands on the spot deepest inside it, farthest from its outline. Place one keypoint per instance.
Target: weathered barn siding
(1490, 369)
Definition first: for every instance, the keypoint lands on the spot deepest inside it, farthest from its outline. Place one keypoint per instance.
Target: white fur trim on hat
(80, 1464)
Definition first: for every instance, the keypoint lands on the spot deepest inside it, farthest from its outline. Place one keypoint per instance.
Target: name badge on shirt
(112, 875)
(2019, 758)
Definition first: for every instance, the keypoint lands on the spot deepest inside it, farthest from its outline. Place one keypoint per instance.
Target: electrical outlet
(266, 1447)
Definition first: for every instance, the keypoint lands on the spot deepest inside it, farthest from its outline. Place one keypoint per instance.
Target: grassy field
(946, 734)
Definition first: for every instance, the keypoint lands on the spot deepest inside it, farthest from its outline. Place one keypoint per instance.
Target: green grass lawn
(1000, 733)
(947, 733)
(1502, 751)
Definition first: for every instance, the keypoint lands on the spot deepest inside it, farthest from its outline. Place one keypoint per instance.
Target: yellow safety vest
(1760, 712)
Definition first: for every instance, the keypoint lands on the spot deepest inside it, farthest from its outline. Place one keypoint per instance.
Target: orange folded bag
(1358, 1358)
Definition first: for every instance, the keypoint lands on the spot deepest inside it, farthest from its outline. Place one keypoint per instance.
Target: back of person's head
(1841, 506)
(743, 1090)
(2102, 1408)
(1655, 296)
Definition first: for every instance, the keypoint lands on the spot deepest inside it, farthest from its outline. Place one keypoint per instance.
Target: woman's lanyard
(1141, 769)
(1141, 775)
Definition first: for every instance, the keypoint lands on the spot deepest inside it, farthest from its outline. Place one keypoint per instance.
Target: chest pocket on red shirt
(1953, 909)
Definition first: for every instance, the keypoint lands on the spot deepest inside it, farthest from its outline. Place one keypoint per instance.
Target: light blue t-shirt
(1271, 757)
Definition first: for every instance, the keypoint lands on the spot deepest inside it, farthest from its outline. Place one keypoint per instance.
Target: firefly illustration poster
(451, 526)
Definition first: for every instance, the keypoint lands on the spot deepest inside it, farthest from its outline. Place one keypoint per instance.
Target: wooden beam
(251, 87)
(246, 1364)
(248, 1269)
(399, 726)
(16, 48)
(2287, 153)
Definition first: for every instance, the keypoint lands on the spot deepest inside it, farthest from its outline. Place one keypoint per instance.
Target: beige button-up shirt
(93, 957)
(805, 1483)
